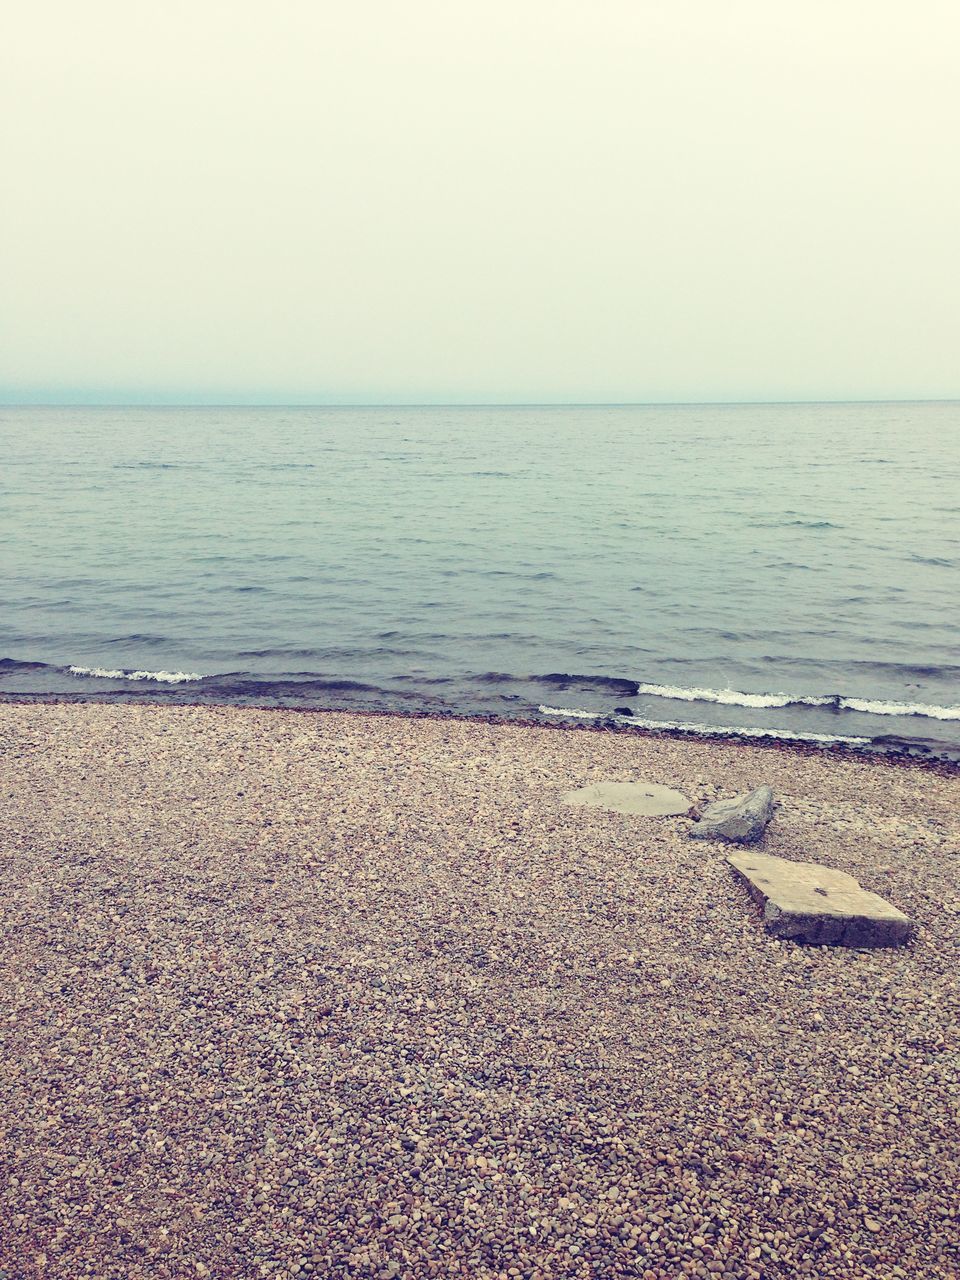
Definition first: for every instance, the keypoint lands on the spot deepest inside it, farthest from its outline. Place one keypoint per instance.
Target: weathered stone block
(810, 903)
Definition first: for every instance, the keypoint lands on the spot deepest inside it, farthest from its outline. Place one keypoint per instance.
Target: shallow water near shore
(783, 570)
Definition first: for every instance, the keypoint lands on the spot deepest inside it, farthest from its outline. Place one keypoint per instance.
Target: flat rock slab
(648, 799)
(810, 903)
(742, 820)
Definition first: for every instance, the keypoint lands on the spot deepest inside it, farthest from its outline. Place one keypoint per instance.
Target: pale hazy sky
(449, 200)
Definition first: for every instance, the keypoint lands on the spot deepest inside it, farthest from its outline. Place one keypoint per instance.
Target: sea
(777, 571)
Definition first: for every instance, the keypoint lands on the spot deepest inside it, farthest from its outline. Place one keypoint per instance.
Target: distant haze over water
(779, 569)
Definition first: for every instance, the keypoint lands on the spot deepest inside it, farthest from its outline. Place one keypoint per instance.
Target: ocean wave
(727, 697)
(736, 698)
(793, 524)
(160, 677)
(296, 684)
(138, 638)
(706, 730)
(153, 466)
(279, 653)
(310, 683)
(942, 561)
(572, 713)
(882, 708)
(562, 680)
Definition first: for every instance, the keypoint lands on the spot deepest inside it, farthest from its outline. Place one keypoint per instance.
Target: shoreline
(901, 752)
(343, 995)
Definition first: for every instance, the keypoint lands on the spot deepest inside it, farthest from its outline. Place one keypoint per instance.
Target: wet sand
(289, 994)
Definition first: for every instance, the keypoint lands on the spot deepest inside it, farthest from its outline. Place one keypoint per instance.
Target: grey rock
(742, 819)
(811, 903)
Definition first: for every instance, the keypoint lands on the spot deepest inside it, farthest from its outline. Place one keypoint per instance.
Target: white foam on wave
(160, 677)
(735, 698)
(726, 697)
(879, 708)
(705, 730)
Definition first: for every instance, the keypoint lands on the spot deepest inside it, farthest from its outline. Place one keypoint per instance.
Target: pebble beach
(287, 994)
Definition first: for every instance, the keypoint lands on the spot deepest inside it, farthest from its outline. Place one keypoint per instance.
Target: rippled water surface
(789, 568)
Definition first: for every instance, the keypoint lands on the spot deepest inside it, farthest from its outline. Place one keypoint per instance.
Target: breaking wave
(735, 698)
(159, 677)
(879, 708)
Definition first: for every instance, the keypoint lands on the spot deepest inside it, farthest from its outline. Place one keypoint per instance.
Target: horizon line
(461, 404)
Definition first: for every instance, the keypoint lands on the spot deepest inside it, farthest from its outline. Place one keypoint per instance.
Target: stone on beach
(811, 903)
(742, 819)
(648, 799)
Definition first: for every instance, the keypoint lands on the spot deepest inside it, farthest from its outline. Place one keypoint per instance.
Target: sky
(411, 201)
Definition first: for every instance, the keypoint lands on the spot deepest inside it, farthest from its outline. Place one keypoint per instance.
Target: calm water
(783, 568)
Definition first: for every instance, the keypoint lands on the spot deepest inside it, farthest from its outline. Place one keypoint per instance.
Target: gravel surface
(286, 994)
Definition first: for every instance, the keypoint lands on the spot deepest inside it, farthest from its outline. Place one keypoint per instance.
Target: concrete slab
(648, 799)
(810, 903)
